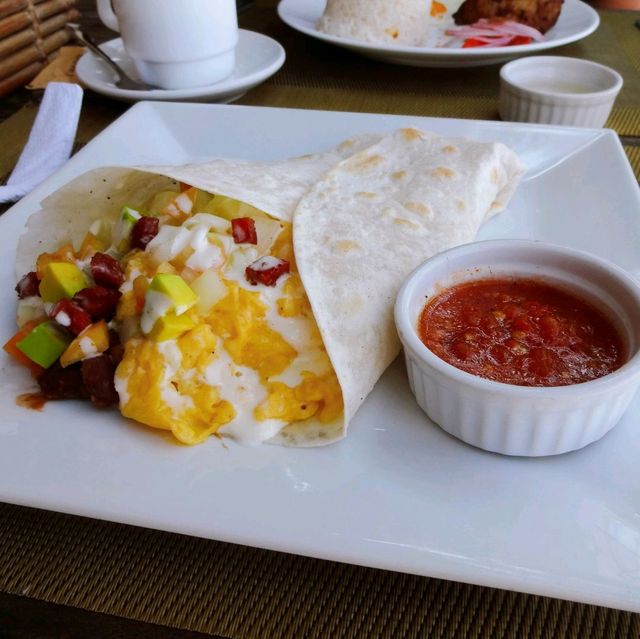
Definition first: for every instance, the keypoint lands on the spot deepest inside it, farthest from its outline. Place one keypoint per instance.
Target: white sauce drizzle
(242, 388)
(156, 305)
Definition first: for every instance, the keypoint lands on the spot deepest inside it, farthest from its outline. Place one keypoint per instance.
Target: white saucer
(577, 20)
(257, 58)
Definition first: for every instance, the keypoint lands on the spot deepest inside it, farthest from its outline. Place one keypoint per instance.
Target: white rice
(400, 22)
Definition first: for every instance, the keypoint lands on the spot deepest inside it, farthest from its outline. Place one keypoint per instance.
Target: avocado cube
(61, 279)
(170, 326)
(45, 343)
(123, 227)
(176, 289)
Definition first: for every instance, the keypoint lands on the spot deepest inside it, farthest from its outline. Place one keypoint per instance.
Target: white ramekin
(520, 420)
(558, 90)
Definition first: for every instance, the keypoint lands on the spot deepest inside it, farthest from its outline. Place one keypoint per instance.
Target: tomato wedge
(472, 42)
(520, 40)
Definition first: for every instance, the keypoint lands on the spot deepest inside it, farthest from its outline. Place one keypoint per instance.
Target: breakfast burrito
(249, 300)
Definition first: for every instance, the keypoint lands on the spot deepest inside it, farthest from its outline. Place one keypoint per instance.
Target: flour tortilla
(369, 222)
(360, 224)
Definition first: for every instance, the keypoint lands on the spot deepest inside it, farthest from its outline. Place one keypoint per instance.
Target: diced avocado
(61, 279)
(44, 344)
(176, 289)
(123, 227)
(170, 326)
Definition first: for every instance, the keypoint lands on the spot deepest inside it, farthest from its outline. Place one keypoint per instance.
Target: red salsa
(520, 331)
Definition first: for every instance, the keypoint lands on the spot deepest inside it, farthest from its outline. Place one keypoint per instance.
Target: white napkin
(50, 141)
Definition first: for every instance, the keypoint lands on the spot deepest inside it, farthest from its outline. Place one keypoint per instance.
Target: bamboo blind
(31, 32)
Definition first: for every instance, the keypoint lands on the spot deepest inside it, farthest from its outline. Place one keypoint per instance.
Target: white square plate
(398, 493)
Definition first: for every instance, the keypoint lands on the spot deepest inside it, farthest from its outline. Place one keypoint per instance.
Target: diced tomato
(244, 230)
(520, 40)
(12, 349)
(184, 186)
(266, 270)
(472, 42)
(71, 316)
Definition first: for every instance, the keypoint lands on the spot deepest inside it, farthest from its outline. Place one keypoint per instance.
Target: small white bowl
(558, 90)
(510, 419)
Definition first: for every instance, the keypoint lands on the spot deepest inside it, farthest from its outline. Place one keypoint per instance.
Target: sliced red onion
(495, 33)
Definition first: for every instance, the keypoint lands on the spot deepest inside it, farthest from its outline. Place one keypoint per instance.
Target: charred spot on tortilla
(443, 172)
(398, 175)
(417, 207)
(450, 149)
(367, 194)
(400, 221)
(411, 134)
(462, 205)
(347, 245)
(363, 162)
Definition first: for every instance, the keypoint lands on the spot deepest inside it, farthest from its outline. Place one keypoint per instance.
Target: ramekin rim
(609, 92)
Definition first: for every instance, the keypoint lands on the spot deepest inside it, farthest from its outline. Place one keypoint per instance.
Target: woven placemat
(246, 592)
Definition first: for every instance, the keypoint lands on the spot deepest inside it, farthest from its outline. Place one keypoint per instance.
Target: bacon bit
(106, 270)
(28, 286)
(98, 301)
(244, 230)
(266, 270)
(437, 8)
(71, 316)
(144, 230)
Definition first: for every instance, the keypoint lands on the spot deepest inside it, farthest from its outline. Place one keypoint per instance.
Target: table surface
(74, 577)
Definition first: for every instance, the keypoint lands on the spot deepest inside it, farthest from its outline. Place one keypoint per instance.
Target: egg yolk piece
(253, 363)
(159, 385)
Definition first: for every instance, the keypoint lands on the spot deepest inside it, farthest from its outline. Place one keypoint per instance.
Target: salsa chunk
(521, 331)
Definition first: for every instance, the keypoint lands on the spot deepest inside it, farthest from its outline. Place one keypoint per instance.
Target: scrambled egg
(254, 360)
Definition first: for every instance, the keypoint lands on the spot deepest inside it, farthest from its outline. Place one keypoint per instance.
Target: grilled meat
(540, 14)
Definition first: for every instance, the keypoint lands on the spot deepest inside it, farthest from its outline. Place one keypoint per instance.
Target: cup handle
(107, 15)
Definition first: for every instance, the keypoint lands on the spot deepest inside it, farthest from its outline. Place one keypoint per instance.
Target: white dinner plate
(398, 493)
(577, 20)
(257, 58)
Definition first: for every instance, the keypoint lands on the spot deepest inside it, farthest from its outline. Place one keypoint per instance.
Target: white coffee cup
(176, 44)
